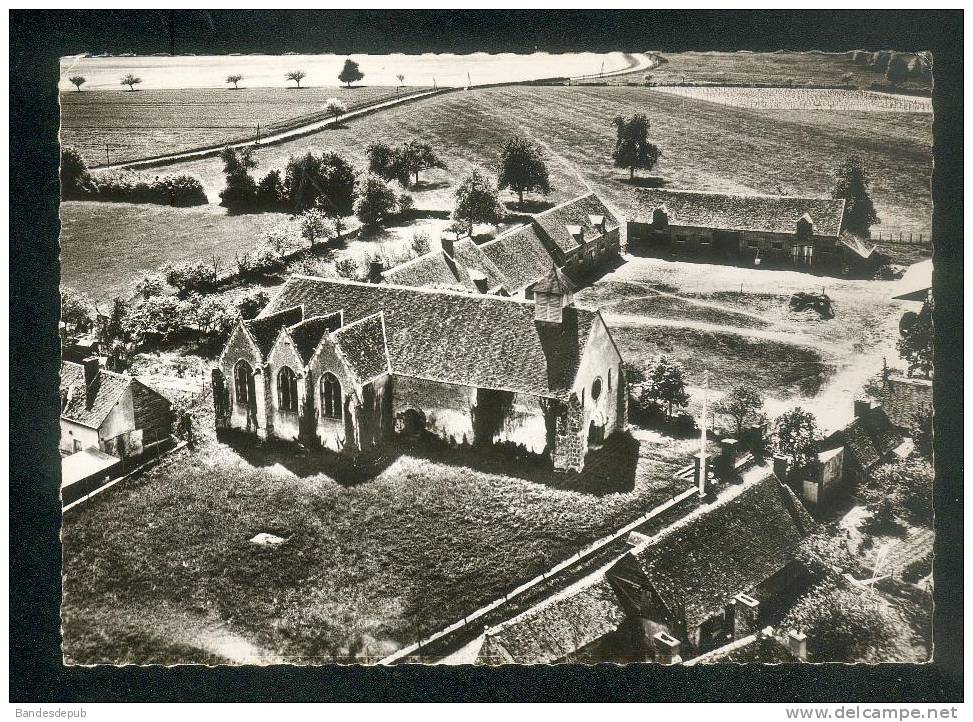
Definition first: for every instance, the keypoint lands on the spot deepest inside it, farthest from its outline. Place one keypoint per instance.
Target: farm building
(762, 230)
(904, 397)
(349, 366)
(116, 414)
(705, 578)
(577, 237)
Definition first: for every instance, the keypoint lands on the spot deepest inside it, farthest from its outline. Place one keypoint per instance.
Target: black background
(39, 38)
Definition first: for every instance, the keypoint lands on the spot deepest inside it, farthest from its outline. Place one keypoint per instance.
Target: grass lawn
(154, 122)
(419, 545)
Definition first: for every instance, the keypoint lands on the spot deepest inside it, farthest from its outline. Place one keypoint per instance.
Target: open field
(416, 547)
(778, 68)
(148, 123)
(804, 99)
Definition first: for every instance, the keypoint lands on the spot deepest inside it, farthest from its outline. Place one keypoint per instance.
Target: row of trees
(350, 73)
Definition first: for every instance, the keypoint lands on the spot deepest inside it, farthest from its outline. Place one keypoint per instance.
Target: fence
(896, 234)
(406, 652)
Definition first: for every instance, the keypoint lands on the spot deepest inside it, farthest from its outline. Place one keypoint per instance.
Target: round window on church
(596, 389)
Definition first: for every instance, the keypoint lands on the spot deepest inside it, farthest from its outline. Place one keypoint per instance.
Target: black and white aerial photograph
(537, 357)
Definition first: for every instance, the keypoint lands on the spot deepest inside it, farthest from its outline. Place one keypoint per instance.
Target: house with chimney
(350, 367)
(709, 580)
(576, 237)
(113, 413)
(761, 230)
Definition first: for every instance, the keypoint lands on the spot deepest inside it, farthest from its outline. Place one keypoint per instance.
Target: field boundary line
(543, 577)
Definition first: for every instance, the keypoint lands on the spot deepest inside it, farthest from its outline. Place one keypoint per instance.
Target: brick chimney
(745, 611)
(91, 369)
(862, 407)
(447, 241)
(666, 648)
(375, 268)
(797, 644)
(780, 467)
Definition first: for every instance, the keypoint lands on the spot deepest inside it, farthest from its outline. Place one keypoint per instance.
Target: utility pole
(107, 157)
(702, 438)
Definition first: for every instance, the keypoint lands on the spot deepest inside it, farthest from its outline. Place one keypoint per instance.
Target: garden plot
(804, 99)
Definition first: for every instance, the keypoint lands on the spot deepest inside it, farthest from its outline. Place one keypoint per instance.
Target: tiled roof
(72, 375)
(771, 214)
(520, 255)
(105, 391)
(362, 345)
(760, 648)
(857, 245)
(307, 334)
(577, 212)
(870, 438)
(469, 339)
(265, 328)
(473, 257)
(435, 269)
(556, 628)
(699, 566)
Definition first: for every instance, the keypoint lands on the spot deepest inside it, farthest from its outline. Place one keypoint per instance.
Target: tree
(907, 484)
(843, 625)
(420, 243)
(851, 183)
(335, 107)
(415, 156)
(522, 168)
(76, 181)
(381, 160)
(632, 146)
(296, 75)
(240, 191)
(665, 384)
(271, 195)
(77, 81)
(916, 342)
(898, 69)
(376, 201)
(921, 432)
(77, 310)
(477, 201)
(401, 78)
(130, 80)
(350, 73)
(742, 404)
(325, 181)
(315, 225)
(235, 79)
(796, 437)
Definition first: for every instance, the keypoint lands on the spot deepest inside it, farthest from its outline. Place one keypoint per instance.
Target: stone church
(349, 367)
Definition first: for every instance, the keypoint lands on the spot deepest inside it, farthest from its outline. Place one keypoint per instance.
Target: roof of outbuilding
(858, 246)
(557, 627)
(435, 268)
(265, 328)
(362, 345)
(473, 257)
(468, 339)
(869, 438)
(104, 392)
(736, 212)
(555, 222)
(556, 281)
(698, 566)
(520, 255)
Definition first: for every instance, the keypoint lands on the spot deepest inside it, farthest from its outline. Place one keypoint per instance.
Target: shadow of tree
(528, 206)
(652, 181)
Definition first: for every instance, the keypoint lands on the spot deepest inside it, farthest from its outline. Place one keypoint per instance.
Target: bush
(917, 569)
(149, 284)
(252, 304)
(376, 201)
(76, 182)
(192, 276)
(906, 485)
(420, 243)
(406, 205)
(129, 187)
(882, 521)
(261, 261)
(154, 319)
(350, 268)
(212, 316)
(77, 310)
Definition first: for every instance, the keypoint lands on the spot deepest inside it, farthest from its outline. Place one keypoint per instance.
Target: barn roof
(699, 565)
(307, 334)
(556, 281)
(737, 212)
(520, 255)
(557, 627)
(265, 328)
(473, 257)
(461, 338)
(104, 392)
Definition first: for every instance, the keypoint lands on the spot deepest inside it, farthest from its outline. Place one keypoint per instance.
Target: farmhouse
(705, 578)
(577, 237)
(349, 366)
(763, 230)
(113, 413)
